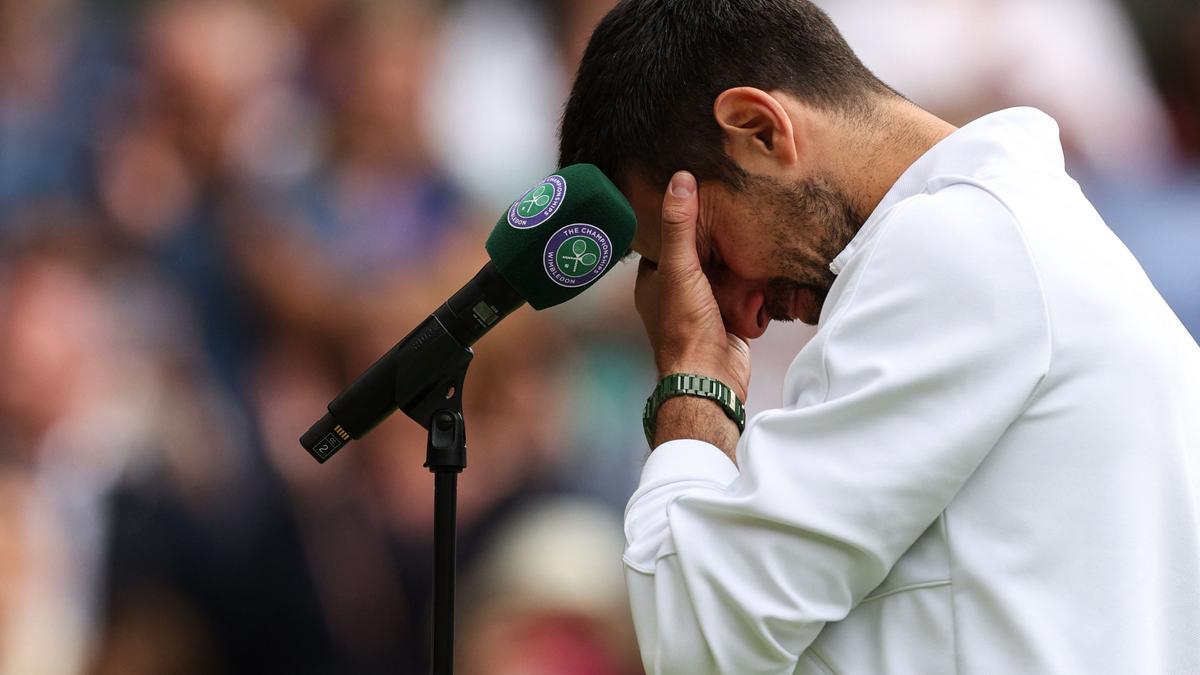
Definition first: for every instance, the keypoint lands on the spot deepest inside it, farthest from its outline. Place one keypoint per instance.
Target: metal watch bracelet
(686, 384)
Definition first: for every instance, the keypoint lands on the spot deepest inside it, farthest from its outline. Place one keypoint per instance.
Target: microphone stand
(446, 457)
(423, 376)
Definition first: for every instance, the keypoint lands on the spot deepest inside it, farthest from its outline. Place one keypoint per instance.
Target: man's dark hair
(643, 97)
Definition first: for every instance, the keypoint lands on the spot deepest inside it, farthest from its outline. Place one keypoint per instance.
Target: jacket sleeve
(937, 343)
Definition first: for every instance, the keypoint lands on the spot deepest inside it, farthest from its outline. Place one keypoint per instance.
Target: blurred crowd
(214, 213)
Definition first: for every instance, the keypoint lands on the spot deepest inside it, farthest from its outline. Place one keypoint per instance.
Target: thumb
(679, 212)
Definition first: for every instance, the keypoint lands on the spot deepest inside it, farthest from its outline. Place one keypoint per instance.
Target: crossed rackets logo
(539, 204)
(578, 256)
(537, 200)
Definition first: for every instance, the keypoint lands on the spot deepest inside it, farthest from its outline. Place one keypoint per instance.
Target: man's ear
(759, 134)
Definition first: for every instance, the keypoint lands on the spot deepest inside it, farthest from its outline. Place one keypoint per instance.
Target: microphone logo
(577, 255)
(535, 201)
(539, 204)
(583, 256)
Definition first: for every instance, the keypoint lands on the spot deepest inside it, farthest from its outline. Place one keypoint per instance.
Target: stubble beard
(811, 223)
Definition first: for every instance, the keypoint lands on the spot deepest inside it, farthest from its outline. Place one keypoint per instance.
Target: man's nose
(743, 307)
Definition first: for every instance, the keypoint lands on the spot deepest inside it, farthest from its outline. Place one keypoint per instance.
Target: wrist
(719, 420)
(700, 419)
(704, 368)
(724, 366)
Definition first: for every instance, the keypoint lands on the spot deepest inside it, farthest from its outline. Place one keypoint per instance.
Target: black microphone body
(422, 360)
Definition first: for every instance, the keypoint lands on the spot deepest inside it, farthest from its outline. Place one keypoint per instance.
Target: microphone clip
(447, 447)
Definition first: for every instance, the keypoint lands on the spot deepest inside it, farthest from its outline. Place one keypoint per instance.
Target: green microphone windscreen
(562, 235)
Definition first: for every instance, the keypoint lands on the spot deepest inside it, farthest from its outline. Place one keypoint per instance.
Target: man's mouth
(800, 296)
(782, 305)
(798, 302)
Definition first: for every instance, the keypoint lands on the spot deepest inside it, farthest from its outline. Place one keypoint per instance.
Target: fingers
(680, 209)
(738, 344)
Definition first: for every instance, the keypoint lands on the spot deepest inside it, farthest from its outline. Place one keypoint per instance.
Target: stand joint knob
(447, 449)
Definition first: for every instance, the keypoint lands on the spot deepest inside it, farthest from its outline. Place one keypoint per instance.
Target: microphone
(551, 245)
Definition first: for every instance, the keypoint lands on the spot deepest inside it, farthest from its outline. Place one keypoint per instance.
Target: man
(988, 456)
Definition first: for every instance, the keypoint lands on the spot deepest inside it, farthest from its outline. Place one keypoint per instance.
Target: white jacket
(988, 462)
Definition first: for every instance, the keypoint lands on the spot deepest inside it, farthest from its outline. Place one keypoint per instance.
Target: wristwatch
(684, 384)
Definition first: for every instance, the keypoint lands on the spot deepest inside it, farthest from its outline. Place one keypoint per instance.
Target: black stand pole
(427, 369)
(446, 457)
